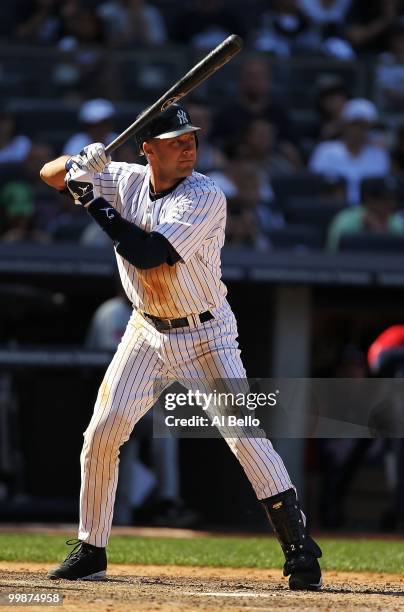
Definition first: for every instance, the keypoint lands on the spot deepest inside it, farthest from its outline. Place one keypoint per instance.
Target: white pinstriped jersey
(193, 218)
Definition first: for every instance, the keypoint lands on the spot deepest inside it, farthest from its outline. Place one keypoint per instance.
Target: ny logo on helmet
(182, 117)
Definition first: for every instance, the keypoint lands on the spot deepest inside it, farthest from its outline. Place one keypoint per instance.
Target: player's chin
(185, 168)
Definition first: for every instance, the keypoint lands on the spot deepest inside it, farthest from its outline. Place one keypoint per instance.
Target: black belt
(167, 324)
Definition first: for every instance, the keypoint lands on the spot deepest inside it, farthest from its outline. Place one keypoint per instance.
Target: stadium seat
(71, 231)
(363, 241)
(11, 171)
(39, 115)
(291, 78)
(302, 184)
(400, 191)
(148, 75)
(296, 238)
(315, 212)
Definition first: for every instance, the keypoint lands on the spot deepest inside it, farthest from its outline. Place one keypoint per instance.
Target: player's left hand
(81, 186)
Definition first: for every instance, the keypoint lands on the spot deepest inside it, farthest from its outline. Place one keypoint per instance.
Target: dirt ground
(168, 589)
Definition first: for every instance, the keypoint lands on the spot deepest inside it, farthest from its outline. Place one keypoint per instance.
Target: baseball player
(167, 223)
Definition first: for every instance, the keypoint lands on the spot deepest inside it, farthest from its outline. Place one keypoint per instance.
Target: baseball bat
(194, 77)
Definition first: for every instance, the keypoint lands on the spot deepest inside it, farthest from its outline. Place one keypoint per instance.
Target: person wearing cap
(353, 156)
(376, 214)
(167, 223)
(96, 118)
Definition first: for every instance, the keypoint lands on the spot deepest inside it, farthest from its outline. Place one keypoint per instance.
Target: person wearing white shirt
(96, 118)
(323, 12)
(133, 21)
(14, 147)
(353, 157)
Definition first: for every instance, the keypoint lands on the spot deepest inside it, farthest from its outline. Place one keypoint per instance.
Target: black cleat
(304, 569)
(300, 550)
(85, 562)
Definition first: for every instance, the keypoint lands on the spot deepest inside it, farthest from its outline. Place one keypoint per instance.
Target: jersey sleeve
(192, 219)
(109, 181)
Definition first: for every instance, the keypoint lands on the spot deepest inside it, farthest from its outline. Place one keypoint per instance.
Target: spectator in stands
(96, 118)
(209, 156)
(397, 153)
(37, 21)
(353, 156)
(332, 95)
(105, 332)
(251, 211)
(18, 211)
(81, 27)
(48, 206)
(368, 24)
(328, 14)
(206, 23)
(86, 69)
(133, 22)
(285, 30)
(254, 99)
(261, 145)
(327, 18)
(340, 459)
(376, 214)
(390, 72)
(386, 360)
(14, 147)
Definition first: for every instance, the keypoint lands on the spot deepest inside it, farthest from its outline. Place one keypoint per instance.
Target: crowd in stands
(308, 160)
(338, 173)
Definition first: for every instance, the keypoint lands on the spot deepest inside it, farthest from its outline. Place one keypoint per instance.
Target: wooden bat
(194, 77)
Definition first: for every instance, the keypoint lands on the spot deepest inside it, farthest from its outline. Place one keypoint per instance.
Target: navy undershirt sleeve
(142, 249)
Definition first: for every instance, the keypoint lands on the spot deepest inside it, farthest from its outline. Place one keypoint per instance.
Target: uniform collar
(161, 194)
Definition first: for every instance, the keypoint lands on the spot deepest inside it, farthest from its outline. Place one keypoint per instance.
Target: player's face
(172, 158)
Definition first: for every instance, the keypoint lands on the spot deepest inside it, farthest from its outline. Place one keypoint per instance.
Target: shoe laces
(78, 546)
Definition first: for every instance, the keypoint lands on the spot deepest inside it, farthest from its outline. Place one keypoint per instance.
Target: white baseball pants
(207, 351)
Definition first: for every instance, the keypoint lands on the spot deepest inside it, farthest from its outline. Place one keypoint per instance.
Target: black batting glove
(81, 186)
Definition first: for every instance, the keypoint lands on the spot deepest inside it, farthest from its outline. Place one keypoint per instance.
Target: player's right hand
(81, 186)
(93, 158)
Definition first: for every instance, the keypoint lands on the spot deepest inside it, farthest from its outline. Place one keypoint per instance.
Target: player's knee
(107, 435)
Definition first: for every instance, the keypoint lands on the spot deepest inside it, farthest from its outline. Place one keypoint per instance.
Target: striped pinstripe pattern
(205, 352)
(193, 218)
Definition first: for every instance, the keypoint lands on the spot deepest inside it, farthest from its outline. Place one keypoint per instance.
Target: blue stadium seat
(309, 211)
(302, 184)
(383, 243)
(297, 237)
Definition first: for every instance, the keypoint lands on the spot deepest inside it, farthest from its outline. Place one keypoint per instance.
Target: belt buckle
(169, 324)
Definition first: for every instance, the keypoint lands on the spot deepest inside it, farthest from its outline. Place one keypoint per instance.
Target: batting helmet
(174, 121)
